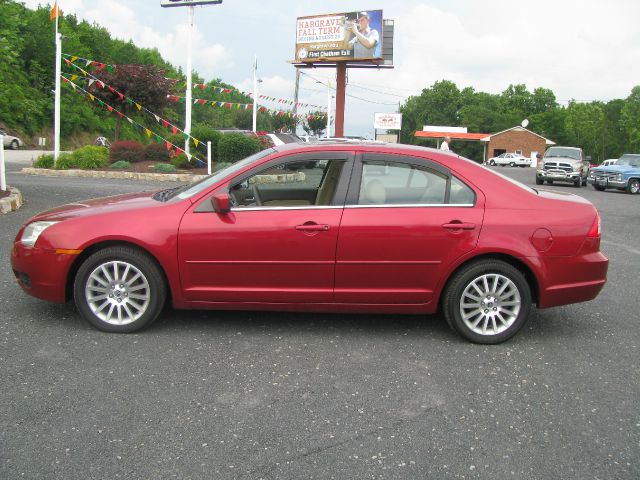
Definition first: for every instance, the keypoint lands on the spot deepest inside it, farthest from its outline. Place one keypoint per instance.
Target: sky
(580, 49)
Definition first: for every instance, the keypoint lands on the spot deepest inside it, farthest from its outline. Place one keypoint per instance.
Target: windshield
(203, 184)
(629, 159)
(563, 152)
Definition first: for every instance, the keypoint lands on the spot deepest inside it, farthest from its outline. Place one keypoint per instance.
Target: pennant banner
(170, 146)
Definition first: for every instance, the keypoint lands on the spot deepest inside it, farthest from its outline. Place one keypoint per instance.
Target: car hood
(615, 168)
(98, 206)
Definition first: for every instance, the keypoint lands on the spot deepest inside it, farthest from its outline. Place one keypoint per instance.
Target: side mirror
(220, 203)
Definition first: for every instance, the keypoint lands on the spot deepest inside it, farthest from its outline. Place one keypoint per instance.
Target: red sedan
(334, 228)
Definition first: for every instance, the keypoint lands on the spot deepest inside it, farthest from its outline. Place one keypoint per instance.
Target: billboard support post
(341, 83)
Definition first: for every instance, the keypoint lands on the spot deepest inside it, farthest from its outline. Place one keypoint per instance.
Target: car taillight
(592, 242)
(595, 230)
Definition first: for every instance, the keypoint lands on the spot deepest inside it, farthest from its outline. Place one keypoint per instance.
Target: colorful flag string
(139, 126)
(91, 79)
(244, 106)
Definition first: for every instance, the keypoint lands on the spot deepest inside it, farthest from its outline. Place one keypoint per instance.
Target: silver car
(9, 141)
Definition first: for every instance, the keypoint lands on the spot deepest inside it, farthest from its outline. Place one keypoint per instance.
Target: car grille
(565, 167)
(604, 175)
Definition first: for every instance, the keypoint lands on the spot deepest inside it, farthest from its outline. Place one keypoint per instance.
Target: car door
(278, 242)
(405, 221)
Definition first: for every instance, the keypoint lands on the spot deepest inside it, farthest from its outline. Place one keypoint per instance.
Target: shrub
(91, 157)
(121, 165)
(66, 161)
(44, 161)
(128, 150)
(164, 168)
(235, 146)
(205, 134)
(222, 165)
(156, 152)
(181, 161)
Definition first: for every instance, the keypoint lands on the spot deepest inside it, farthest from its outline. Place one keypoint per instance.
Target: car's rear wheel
(14, 145)
(487, 301)
(633, 187)
(119, 289)
(584, 182)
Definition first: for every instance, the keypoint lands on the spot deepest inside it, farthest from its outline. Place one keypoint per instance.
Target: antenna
(524, 123)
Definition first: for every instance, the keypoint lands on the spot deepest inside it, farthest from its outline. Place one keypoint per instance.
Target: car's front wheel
(119, 289)
(14, 145)
(512, 164)
(599, 188)
(633, 187)
(487, 301)
(492, 163)
(539, 181)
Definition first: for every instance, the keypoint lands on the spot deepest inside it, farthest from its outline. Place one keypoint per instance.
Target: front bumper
(559, 175)
(41, 272)
(606, 182)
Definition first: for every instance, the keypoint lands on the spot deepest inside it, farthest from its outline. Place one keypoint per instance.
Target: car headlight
(33, 231)
(619, 177)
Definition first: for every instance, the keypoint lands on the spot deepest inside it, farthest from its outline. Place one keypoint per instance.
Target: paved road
(266, 395)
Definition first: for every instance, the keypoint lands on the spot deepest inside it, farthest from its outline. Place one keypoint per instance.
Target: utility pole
(189, 101)
(255, 94)
(56, 102)
(296, 94)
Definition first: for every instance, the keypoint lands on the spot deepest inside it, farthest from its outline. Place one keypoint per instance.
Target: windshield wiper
(164, 195)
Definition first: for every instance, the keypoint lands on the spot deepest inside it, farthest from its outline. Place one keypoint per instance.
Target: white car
(609, 161)
(511, 159)
(9, 141)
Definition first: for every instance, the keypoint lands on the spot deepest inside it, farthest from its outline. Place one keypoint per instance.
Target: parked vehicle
(373, 228)
(623, 175)
(607, 162)
(511, 159)
(563, 164)
(11, 141)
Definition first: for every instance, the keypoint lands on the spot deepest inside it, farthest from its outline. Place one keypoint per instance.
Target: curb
(154, 177)
(11, 203)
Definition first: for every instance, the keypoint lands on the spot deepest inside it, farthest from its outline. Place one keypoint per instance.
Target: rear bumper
(41, 273)
(573, 279)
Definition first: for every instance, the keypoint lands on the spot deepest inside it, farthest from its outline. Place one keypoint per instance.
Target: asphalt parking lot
(269, 395)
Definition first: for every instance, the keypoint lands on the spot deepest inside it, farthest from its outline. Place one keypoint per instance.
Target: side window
(395, 183)
(290, 184)
(460, 193)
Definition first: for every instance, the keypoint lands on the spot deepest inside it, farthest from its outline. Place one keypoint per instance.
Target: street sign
(188, 3)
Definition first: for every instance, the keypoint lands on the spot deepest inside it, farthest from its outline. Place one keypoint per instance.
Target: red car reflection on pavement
(349, 227)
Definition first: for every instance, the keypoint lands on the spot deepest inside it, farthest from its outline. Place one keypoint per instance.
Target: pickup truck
(563, 164)
(623, 175)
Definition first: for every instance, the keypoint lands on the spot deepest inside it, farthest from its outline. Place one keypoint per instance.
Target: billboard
(387, 121)
(350, 36)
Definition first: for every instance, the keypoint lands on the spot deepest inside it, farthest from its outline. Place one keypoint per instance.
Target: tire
(633, 187)
(482, 325)
(512, 164)
(550, 182)
(539, 181)
(599, 188)
(119, 307)
(584, 182)
(14, 145)
(492, 163)
(577, 183)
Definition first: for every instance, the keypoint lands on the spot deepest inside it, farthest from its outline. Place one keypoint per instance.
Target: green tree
(630, 119)
(584, 124)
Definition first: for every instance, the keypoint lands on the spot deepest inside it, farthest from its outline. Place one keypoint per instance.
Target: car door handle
(312, 227)
(455, 225)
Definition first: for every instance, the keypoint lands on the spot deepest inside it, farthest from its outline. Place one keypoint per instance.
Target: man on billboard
(365, 38)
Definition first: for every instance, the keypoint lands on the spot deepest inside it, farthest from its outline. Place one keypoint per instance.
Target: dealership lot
(271, 395)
